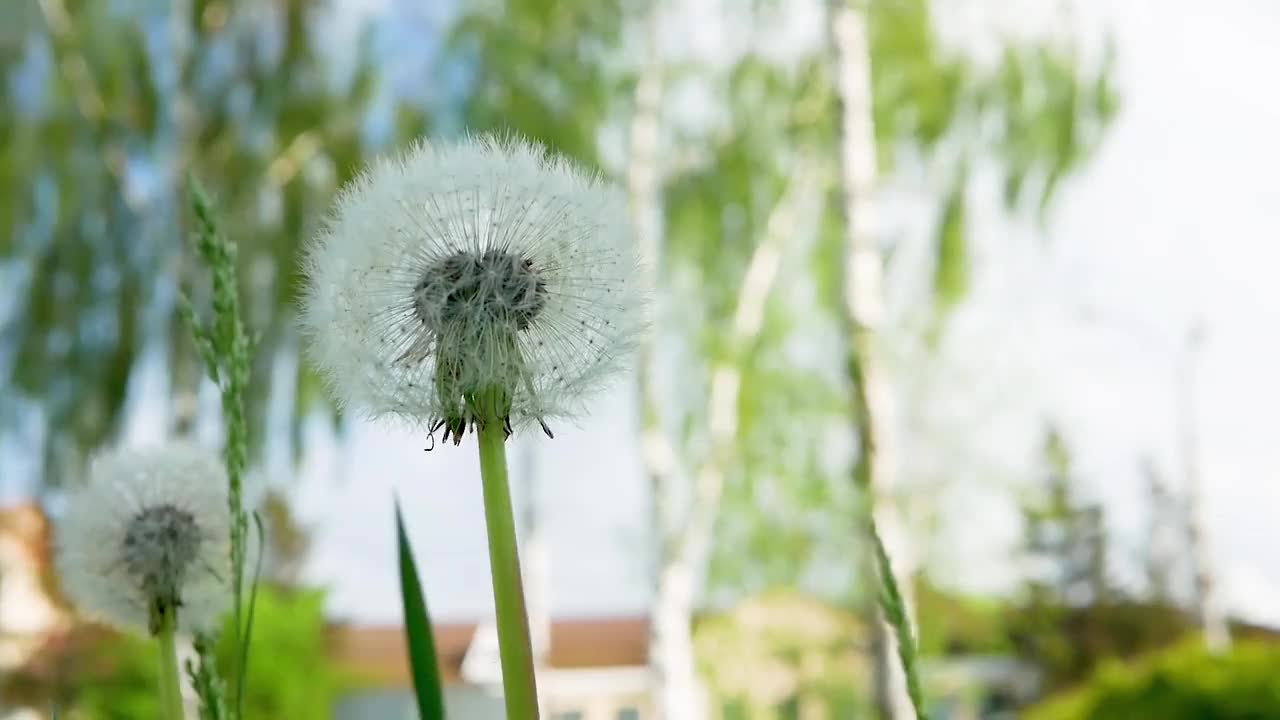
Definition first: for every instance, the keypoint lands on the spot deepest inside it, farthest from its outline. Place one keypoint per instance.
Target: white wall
(461, 703)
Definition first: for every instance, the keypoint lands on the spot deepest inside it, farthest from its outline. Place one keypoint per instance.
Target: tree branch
(726, 372)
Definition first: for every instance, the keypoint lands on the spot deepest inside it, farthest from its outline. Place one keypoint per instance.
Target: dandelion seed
(458, 269)
(149, 534)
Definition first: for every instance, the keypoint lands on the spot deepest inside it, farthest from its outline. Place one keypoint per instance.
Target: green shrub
(1183, 683)
(108, 676)
(290, 671)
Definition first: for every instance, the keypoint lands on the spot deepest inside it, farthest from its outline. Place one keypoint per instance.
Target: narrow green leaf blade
(951, 263)
(417, 627)
(248, 624)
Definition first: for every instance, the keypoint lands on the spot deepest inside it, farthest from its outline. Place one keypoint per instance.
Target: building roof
(30, 604)
(377, 654)
(600, 642)
(26, 526)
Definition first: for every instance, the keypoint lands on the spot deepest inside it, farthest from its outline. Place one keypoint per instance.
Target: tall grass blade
(417, 628)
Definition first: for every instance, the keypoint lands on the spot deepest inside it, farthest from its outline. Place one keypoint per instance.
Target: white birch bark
(1213, 621)
(686, 551)
(1165, 534)
(671, 660)
(684, 530)
(864, 300)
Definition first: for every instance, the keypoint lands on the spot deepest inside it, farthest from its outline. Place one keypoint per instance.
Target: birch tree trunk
(1213, 622)
(864, 300)
(670, 642)
(686, 539)
(1164, 534)
(685, 505)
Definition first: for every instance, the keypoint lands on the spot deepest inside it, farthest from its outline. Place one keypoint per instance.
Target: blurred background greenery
(725, 131)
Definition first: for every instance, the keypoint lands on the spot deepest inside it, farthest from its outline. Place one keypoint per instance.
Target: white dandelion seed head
(466, 266)
(151, 526)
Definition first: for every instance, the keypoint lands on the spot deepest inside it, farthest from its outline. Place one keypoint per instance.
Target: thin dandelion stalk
(514, 644)
(170, 680)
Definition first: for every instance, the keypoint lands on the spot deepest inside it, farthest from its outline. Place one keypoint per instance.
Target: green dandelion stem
(166, 622)
(514, 645)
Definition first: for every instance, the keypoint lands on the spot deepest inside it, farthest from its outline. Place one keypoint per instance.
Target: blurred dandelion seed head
(160, 544)
(149, 531)
(467, 267)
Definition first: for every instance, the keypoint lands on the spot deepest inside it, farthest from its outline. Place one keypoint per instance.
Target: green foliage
(97, 142)
(777, 528)
(126, 687)
(953, 624)
(930, 102)
(1038, 113)
(918, 87)
(102, 675)
(716, 211)
(715, 217)
(780, 654)
(1064, 532)
(784, 519)
(1184, 683)
(1068, 643)
(418, 635)
(292, 676)
(1070, 616)
(1057, 121)
(540, 69)
(951, 266)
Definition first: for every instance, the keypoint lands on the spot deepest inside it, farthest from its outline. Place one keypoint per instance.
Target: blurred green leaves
(781, 651)
(95, 674)
(541, 69)
(1038, 113)
(1033, 116)
(110, 120)
(1183, 683)
(951, 269)
(106, 111)
(289, 632)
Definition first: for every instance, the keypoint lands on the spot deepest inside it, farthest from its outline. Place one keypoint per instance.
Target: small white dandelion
(481, 265)
(149, 534)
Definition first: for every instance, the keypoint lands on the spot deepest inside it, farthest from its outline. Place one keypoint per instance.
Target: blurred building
(594, 669)
(794, 656)
(783, 654)
(31, 617)
(979, 687)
